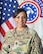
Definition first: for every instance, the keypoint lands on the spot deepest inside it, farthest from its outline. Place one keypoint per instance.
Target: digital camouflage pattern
(26, 41)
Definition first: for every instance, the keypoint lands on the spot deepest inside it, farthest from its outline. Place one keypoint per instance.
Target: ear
(26, 17)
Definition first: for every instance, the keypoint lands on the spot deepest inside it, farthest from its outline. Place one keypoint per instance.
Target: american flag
(7, 9)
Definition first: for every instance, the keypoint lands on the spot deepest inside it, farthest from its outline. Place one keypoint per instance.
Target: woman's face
(20, 19)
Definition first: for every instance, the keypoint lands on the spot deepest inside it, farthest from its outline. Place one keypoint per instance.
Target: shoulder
(31, 31)
(34, 34)
(9, 37)
(10, 34)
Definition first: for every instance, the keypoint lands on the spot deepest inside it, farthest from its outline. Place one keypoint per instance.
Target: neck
(19, 29)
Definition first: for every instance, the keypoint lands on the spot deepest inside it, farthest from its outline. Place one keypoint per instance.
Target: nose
(21, 19)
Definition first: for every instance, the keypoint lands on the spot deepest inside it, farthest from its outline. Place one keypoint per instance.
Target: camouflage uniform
(26, 41)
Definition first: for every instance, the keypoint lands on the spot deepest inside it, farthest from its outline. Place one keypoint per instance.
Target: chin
(20, 26)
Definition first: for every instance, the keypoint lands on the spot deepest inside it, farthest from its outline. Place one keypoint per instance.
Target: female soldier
(21, 40)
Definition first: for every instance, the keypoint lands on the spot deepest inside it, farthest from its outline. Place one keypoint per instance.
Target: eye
(23, 17)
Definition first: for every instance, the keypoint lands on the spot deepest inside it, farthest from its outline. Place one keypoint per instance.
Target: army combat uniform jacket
(26, 41)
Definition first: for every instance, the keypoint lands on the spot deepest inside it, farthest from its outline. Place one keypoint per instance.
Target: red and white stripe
(5, 27)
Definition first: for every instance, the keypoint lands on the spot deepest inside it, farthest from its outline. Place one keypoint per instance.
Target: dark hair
(18, 11)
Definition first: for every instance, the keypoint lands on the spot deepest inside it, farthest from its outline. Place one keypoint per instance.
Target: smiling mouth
(20, 23)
